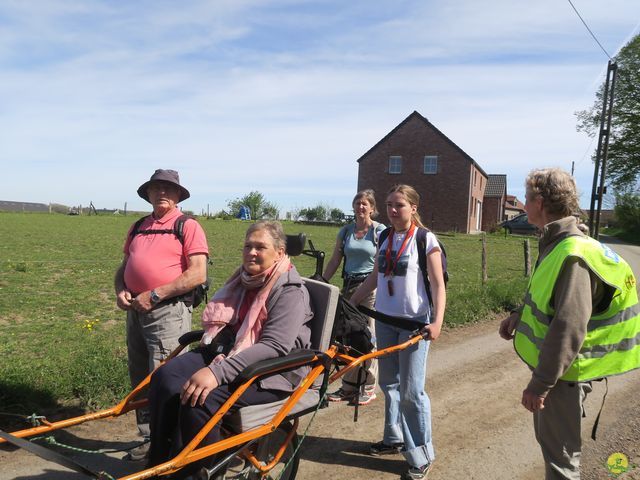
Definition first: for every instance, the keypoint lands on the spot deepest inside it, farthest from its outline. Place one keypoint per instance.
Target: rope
(304, 435)
(51, 440)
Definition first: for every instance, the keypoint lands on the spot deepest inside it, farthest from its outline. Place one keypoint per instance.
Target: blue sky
(284, 96)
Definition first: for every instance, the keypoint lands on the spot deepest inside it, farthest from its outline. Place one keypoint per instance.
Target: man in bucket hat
(155, 282)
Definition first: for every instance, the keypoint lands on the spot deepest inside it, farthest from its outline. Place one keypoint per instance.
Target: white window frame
(395, 164)
(432, 162)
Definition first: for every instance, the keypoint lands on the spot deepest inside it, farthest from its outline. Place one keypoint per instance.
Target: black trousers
(174, 425)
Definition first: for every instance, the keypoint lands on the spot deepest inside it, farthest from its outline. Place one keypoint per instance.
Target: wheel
(265, 450)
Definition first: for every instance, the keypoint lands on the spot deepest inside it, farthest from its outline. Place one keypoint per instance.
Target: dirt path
(480, 431)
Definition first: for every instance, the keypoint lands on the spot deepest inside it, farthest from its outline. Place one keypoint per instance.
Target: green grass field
(62, 338)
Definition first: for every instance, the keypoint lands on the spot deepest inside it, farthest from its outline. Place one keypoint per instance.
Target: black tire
(266, 448)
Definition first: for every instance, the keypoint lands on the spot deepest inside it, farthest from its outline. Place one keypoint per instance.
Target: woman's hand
(198, 387)
(433, 330)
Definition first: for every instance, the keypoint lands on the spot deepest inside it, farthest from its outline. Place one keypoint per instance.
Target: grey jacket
(286, 328)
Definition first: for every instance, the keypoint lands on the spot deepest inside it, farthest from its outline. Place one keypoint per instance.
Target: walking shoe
(139, 453)
(381, 448)
(365, 398)
(417, 473)
(341, 395)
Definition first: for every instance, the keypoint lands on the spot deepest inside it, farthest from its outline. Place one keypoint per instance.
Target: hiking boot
(417, 473)
(341, 395)
(381, 448)
(365, 398)
(139, 453)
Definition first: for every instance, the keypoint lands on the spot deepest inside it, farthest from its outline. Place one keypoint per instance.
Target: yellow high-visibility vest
(612, 342)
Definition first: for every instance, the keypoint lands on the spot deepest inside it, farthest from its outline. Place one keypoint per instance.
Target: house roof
(496, 185)
(511, 202)
(433, 127)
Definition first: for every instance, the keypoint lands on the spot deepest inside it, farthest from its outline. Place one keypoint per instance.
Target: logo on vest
(617, 463)
(610, 254)
(630, 282)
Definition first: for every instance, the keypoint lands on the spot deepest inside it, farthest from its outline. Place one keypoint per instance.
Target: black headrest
(295, 244)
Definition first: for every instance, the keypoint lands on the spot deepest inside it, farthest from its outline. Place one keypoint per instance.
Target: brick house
(450, 183)
(512, 207)
(494, 198)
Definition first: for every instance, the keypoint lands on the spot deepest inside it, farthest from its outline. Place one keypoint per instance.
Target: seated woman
(266, 307)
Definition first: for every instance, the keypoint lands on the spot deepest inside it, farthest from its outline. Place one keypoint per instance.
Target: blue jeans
(407, 405)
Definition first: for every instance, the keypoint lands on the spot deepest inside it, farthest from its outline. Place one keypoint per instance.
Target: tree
(623, 158)
(336, 215)
(628, 212)
(260, 207)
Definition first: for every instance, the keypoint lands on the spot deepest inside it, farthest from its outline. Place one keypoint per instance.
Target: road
(480, 430)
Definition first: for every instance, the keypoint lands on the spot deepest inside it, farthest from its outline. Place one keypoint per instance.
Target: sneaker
(417, 473)
(341, 395)
(365, 398)
(139, 453)
(381, 448)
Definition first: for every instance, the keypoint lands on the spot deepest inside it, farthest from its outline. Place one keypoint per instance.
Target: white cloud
(283, 97)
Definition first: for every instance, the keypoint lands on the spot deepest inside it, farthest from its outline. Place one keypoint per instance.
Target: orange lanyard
(391, 265)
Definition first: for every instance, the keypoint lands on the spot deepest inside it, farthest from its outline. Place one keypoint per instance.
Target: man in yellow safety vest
(580, 320)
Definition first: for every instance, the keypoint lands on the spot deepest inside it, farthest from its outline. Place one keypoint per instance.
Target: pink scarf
(222, 309)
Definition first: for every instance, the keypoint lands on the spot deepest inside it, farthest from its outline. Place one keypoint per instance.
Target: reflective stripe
(539, 314)
(599, 351)
(526, 330)
(623, 316)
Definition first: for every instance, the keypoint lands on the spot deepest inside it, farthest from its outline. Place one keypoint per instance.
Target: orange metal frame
(191, 453)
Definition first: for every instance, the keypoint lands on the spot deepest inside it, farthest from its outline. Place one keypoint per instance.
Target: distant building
(7, 206)
(512, 207)
(450, 183)
(494, 198)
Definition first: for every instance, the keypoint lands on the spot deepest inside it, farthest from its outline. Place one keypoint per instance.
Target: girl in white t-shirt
(402, 293)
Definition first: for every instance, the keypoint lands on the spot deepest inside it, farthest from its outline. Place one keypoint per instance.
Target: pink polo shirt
(156, 260)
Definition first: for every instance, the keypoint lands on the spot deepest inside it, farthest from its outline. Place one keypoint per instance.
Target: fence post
(484, 258)
(527, 258)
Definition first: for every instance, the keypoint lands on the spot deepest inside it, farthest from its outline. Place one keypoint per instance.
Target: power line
(587, 27)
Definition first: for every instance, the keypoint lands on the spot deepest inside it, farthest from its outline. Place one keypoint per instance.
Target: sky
(284, 96)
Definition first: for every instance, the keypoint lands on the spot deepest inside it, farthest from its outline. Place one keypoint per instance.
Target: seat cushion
(254, 416)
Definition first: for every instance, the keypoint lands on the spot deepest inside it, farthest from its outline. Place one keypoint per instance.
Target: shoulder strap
(136, 226)
(178, 226)
(421, 240)
(375, 226)
(383, 235)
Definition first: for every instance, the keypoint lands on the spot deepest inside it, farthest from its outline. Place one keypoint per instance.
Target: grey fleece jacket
(286, 328)
(576, 293)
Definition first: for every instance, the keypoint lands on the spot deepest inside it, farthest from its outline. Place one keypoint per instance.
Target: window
(430, 164)
(395, 164)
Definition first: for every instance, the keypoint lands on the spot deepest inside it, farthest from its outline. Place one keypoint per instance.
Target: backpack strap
(383, 235)
(177, 230)
(421, 240)
(346, 231)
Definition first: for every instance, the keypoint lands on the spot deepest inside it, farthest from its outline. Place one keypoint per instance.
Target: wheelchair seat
(324, 301)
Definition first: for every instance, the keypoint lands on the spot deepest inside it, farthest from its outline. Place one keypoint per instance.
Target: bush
(628, 212)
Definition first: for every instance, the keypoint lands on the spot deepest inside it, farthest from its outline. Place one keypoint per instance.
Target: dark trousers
(174, 425)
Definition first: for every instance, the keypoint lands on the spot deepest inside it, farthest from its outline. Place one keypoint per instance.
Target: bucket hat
(161, 175)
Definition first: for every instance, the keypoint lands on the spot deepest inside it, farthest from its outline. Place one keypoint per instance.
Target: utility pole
(603, 147)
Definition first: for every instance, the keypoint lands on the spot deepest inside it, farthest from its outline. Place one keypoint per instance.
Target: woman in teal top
(357, 243)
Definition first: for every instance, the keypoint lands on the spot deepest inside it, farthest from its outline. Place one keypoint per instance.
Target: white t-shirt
(409, 297)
